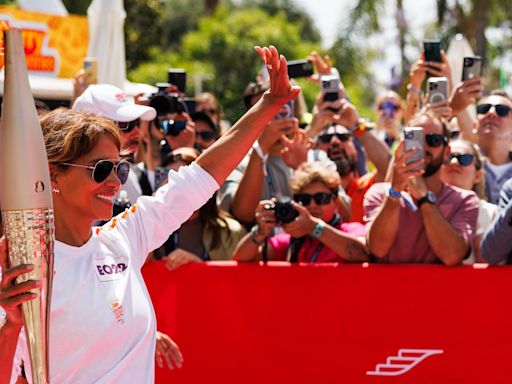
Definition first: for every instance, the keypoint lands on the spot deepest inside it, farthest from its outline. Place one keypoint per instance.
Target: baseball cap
(111, 102)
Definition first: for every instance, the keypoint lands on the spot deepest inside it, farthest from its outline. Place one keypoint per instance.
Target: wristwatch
(430, 198)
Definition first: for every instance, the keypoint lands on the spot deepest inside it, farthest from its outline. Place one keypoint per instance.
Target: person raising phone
(440, 226)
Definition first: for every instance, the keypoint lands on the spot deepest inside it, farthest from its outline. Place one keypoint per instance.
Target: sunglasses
(102, 169)
(210, 111)
(389, 106)
(173, 127)
(327, 137)
(435, 140)
(128, 126)
(321, 198)
(501, 110)
(465, 159)
(206, 135)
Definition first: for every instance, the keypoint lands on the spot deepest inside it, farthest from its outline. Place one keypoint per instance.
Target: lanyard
(336, 220)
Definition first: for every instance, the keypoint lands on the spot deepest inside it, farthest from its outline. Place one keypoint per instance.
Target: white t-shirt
(102, 322)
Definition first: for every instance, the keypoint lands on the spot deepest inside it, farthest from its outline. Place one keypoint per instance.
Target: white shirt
(102, 322)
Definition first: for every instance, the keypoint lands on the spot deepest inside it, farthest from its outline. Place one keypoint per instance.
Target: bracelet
(255, 232)
(359, 128)
(318, 230)
(394, 193)
(412, 89)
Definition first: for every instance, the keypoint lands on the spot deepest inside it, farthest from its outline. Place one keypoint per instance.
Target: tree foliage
(221, 50)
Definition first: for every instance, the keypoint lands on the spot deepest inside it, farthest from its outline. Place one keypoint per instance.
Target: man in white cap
(111, 102)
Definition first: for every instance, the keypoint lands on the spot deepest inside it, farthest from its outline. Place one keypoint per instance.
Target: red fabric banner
(335, 323)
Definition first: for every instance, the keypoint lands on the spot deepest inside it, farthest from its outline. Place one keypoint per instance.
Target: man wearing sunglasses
(111, 102)
(417, 218)
(207, 132)
(494, 115)
(338, 142)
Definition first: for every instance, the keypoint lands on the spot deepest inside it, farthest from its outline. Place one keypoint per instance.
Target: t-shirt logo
(111, 267)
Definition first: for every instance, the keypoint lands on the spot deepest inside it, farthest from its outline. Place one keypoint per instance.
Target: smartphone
(432, 49)
(471, 67)
(286, 111)
(437, 89)
(300, 68)
(177, 77)
(414, 137)
(331, 86)
(90, 70)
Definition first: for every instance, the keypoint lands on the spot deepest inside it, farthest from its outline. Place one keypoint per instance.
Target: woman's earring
(56, 190)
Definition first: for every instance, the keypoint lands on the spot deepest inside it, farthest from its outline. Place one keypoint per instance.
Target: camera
(331, 86)
(165, 102)
(284, 211)
(173, 127)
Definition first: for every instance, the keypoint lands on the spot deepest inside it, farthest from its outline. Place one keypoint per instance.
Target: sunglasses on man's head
(501, 109)
(206, 135)
(464, 159)
(321, 198)
(435, 140)
(127, 126)
(327, 137)
(102, 169)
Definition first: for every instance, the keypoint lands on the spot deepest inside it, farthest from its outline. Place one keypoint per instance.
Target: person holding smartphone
(416, 218)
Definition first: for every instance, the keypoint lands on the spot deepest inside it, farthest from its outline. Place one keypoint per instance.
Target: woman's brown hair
(70, 134)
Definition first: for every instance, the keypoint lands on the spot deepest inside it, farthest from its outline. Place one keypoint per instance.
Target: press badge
(111, 267)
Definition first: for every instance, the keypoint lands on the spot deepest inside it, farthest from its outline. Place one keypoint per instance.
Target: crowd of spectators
(349, 184)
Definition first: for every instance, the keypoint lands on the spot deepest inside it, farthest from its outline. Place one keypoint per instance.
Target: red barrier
(335, 324)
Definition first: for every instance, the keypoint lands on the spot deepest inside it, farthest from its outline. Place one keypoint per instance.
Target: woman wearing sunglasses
(102, 323)
(316, 234)
(465, 170)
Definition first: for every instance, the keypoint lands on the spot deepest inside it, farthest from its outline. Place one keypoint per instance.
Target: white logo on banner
(403, 362)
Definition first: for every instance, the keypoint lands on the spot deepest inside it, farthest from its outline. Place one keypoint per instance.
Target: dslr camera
(284, 211)
(165, 102)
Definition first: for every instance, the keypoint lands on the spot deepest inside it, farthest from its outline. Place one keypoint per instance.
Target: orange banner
(55, 46)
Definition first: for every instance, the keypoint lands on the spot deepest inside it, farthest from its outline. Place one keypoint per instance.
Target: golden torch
(25, 198)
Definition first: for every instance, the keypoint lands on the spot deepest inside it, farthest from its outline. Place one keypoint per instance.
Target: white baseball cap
(111, 102)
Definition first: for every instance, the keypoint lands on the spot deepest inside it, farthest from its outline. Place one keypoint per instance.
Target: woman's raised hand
(281, 90)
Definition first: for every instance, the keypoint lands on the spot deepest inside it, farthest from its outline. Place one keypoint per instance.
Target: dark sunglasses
(206, 135)
(127, 126)
(173, 127)
(321, 198)
(327, 137)
(210, 111)
(102, 169)
(388, 106)
(464, 159)
(435, 140)
(501, 110)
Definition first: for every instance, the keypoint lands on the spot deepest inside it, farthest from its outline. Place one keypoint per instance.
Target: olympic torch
(25, 198)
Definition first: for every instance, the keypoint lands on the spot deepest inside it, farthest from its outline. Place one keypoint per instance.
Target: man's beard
(434, 165)
(344, 164)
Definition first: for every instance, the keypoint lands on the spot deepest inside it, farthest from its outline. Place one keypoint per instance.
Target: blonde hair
(70, 134)
(309, 173)
(478, 188)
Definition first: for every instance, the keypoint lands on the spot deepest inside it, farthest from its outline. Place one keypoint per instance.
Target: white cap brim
(134, 111)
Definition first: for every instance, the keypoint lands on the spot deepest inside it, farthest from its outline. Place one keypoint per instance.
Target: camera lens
(284, 211)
